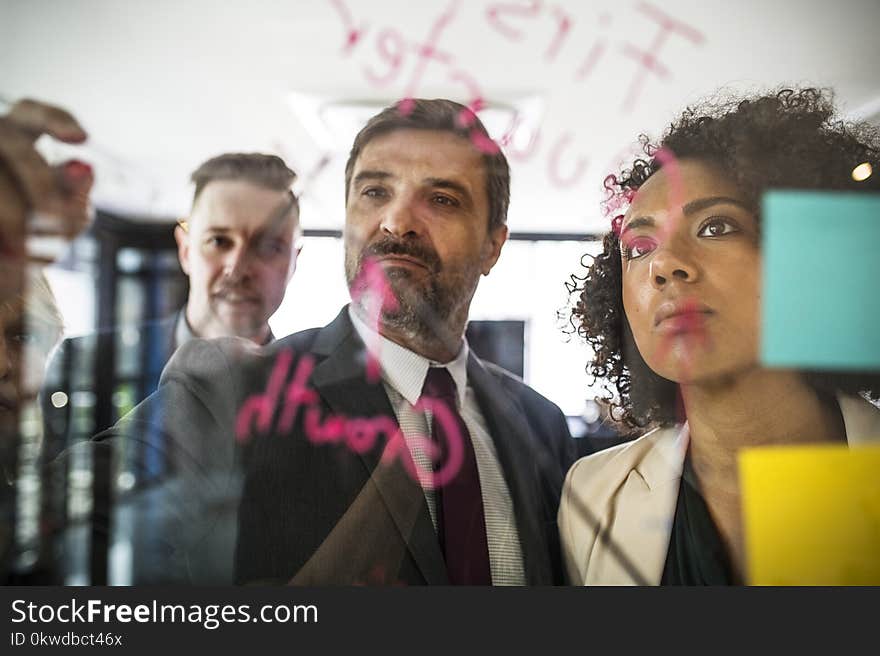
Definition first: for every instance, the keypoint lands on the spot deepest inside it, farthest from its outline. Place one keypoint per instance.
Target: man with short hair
(238, 247)
(378, 449)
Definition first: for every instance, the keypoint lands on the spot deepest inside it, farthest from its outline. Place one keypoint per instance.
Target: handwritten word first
(511, 20)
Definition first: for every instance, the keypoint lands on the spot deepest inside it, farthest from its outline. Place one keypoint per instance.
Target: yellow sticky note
(811, 515)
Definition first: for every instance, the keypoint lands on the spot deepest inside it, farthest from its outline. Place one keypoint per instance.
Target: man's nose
(237, 263)
(400, 218)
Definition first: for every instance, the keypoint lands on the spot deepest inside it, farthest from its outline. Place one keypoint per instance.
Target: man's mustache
(414, 249)
(10, 398)
(235, 289)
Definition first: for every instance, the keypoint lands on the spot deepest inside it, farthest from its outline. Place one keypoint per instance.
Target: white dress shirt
(403, 375)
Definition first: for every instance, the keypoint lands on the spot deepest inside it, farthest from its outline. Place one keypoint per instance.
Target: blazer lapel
(861, 419)
(642, 516)
(641, 531)
(640, 520)
(517, 454)
(341, 381)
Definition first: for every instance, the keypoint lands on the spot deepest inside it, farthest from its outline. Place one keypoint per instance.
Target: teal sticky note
(820, 306)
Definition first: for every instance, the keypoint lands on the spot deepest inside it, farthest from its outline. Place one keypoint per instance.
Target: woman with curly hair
(671, 308)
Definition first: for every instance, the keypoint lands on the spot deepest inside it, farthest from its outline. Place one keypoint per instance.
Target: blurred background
(567, 87)
(162, 86)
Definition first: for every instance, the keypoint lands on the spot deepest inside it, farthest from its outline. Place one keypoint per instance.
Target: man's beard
(427, 306)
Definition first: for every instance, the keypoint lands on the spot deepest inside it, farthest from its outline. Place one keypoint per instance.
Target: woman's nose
(672, 262)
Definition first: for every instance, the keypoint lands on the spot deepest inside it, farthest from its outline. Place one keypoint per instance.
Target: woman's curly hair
(786, 139)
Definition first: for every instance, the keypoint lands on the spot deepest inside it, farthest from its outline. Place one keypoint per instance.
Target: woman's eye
(717, 227)
(638, 247)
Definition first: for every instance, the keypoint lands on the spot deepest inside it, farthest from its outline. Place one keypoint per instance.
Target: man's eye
(20, 337)
(219, 241)
(717, 227)
(272, 247)
(373, 192)
(441, 199)
(638, 247)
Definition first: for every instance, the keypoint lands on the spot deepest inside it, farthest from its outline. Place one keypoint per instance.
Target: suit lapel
(517, 452)
(341, 381)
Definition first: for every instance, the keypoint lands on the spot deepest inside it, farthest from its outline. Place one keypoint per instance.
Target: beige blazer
(615, 517)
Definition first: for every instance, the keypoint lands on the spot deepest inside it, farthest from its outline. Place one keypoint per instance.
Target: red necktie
(461, 523)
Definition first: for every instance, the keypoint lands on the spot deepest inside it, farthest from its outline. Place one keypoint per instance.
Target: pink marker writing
(359, 434)
(647, 59)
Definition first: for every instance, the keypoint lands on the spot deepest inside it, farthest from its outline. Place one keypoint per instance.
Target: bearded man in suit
(377, 449)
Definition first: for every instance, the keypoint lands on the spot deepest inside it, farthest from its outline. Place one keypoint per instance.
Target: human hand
(36, 198)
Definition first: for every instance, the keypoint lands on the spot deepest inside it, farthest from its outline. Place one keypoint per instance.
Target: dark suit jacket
(279, 508)
(153, 347)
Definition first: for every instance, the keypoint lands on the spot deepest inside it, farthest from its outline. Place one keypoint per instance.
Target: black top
(697, 555)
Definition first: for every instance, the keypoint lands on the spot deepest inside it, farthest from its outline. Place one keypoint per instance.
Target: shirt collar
(183, 333)
(405, 370)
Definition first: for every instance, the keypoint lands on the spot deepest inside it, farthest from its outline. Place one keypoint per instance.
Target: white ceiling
(163, 85)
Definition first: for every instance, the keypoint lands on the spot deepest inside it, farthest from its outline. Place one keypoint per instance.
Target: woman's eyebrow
(704, 203)
(690, 208)
(640, 222)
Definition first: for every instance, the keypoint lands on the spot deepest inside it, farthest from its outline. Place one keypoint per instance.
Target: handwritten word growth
(360, 434)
